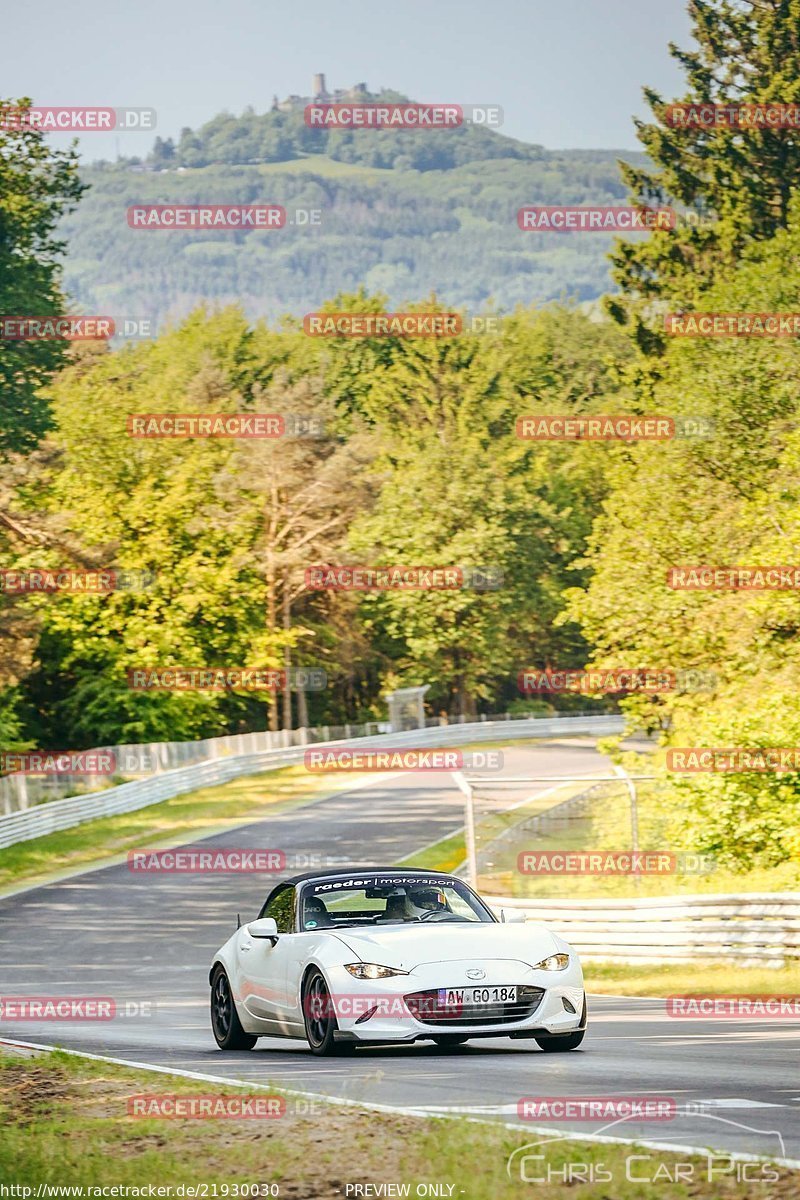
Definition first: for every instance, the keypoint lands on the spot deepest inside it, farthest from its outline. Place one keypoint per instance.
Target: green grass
(607, 827)
(197, 814)
(715, 977)
(179, 820)
(193, 815)
(65, 1122)
(450, 852)
(445, 855)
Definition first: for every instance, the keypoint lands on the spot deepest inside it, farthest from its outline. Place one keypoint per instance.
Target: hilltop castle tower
(320, 94)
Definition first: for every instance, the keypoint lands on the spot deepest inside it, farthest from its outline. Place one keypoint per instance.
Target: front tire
(568, 1041)
(225, 1023)
(319, 1020)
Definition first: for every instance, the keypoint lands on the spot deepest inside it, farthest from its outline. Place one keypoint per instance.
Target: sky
(567, 73)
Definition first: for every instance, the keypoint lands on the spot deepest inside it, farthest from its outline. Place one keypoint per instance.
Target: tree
(148, 505)
(163, 152)
(296, 497)
(459, 488)
(725, 500)
(738, 182)
(37, 186)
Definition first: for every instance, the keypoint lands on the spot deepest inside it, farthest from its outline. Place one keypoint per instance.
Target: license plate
(475, 997)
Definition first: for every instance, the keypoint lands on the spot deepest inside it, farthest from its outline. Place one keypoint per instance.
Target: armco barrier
(127, 797)
(19, 792)
(750, 928)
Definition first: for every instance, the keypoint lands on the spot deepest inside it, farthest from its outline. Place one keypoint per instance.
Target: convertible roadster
(383, 955)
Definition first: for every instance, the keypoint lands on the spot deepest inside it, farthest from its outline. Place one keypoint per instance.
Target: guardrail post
(631, 786)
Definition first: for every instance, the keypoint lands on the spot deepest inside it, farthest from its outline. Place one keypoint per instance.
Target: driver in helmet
(424, 900)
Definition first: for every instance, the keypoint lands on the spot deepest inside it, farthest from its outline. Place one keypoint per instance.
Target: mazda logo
(476, 974)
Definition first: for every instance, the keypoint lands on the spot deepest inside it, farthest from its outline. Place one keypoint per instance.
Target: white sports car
(368, 956)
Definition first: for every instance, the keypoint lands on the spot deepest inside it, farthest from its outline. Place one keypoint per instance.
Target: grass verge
(605, 825)
(66, 1123)
(179, 820)
(714, 978)
(184, 818)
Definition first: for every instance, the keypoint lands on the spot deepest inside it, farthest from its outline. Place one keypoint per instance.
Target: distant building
(321, 95)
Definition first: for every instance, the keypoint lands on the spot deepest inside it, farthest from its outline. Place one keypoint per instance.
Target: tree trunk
(302, 708)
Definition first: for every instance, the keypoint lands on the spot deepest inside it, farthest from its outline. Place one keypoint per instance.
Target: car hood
(409, 946)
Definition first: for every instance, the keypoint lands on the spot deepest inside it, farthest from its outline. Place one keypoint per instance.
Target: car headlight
(556, 962)
(372, 970)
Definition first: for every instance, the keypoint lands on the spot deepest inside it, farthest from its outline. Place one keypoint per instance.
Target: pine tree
(731, 185)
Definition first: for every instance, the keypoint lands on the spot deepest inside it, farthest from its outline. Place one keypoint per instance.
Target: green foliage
(280, 136)
(149, 505)
(37, 186)
(403, 233)
(421, 465)
(731, 499)
(738, 182)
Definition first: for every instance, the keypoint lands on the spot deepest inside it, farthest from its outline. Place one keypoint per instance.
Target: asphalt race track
(148, 939)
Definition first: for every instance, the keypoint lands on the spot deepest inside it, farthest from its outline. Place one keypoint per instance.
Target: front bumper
(551, 1003)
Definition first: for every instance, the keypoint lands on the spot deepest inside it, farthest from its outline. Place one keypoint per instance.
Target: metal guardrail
(138, 760)
(750, 928)
(127, 797)
(19, 792)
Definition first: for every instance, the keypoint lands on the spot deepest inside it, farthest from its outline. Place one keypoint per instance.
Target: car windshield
(389, 901)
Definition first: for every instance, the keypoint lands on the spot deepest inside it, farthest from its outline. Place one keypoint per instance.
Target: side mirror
(264, 927)
(512, 916)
